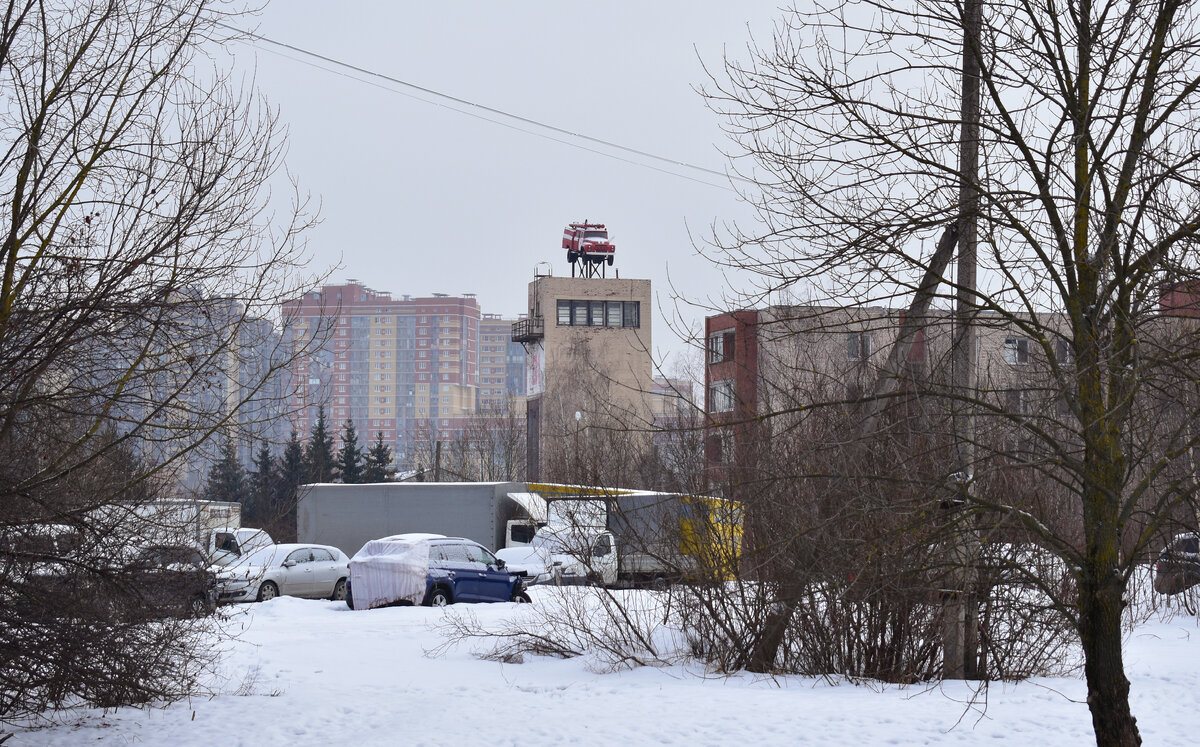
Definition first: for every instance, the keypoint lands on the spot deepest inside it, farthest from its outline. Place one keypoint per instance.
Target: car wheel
(439, 597)
(521, 597)
(349, 598)
(339, 590)
(200, 607)
(267, 591)
(570, 258)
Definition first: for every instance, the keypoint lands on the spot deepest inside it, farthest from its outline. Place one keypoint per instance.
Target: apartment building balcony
(528, 330)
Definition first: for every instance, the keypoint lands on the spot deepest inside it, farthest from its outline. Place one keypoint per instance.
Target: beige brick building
(588, 367)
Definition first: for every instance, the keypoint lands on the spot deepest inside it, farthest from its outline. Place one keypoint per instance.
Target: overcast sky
(417, 198)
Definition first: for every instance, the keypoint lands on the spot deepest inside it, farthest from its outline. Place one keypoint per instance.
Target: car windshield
(596, 235)
(263, 556)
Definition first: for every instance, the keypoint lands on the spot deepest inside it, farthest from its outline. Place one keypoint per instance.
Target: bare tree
(143, 269)
(487, 447)
(1087, 219)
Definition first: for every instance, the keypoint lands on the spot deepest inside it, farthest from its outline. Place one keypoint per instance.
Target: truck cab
(588, 243)
(224, 545)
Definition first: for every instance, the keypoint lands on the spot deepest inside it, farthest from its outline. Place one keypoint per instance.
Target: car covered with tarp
(428, 569)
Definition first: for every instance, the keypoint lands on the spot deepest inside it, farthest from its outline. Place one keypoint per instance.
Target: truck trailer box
(348, 516)
(656, 535)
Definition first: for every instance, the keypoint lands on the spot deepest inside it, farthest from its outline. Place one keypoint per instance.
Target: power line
(490, 110)
(508, 125)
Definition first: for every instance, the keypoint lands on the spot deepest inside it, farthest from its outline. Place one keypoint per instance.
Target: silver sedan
(314, 571)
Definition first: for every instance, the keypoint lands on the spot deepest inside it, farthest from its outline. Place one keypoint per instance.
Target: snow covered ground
(315, 672)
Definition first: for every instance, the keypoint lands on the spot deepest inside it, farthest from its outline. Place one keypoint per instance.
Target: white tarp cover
(387, 571)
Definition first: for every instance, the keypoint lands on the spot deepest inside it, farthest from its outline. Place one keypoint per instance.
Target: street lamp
(578, 469)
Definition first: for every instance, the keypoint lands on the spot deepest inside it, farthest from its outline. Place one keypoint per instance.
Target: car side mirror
(289, 563)
(500, 563)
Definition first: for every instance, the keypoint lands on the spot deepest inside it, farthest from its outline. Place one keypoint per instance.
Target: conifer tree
(379, 458)
(291, 474)
(263, 485)
(318, 455)
(226, 477)
(349, 466)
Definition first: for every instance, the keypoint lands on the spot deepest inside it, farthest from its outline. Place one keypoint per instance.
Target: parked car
(431, 570)
(1178, 566)
(137, 584)
(170, 580)
(313, 571)
(535, 565)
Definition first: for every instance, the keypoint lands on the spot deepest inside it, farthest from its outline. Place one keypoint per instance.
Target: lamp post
(578, 470)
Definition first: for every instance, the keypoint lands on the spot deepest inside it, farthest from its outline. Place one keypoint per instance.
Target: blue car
(428, 569)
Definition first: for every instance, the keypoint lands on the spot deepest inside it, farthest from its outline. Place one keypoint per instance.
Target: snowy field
(315, 672)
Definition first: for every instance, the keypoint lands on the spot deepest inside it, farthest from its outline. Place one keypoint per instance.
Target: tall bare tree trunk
(1104, 669)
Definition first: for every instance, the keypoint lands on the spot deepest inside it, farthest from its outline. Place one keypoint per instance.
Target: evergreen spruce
(263, 484)
(291, 474)
(226, 478)
(349, 467)
(292, 469)
(318, 456)
(379, 458)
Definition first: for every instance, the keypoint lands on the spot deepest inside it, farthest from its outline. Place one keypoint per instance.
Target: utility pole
(960, 623)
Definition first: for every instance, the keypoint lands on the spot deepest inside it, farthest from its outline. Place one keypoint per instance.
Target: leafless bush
(87, 617)
(818, 621)
(859, 545)
(1023, 631)
(46, 670)
(144, 268)
(613, 629)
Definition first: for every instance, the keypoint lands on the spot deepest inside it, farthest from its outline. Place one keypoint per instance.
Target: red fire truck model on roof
(588, 243)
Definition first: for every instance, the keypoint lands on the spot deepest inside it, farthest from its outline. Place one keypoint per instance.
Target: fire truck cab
(588, 243)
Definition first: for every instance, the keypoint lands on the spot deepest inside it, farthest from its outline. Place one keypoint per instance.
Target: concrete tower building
(588, 369)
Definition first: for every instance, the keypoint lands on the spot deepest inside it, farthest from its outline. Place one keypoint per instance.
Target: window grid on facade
(572, 313)
(1016, 401)
(1016, 351)
(720, 346)
(1064, 352)
(720, 396)
(858, 346)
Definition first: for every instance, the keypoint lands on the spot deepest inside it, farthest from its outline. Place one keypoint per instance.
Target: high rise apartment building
(501, 366)
(406, 368)
(223, 368)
